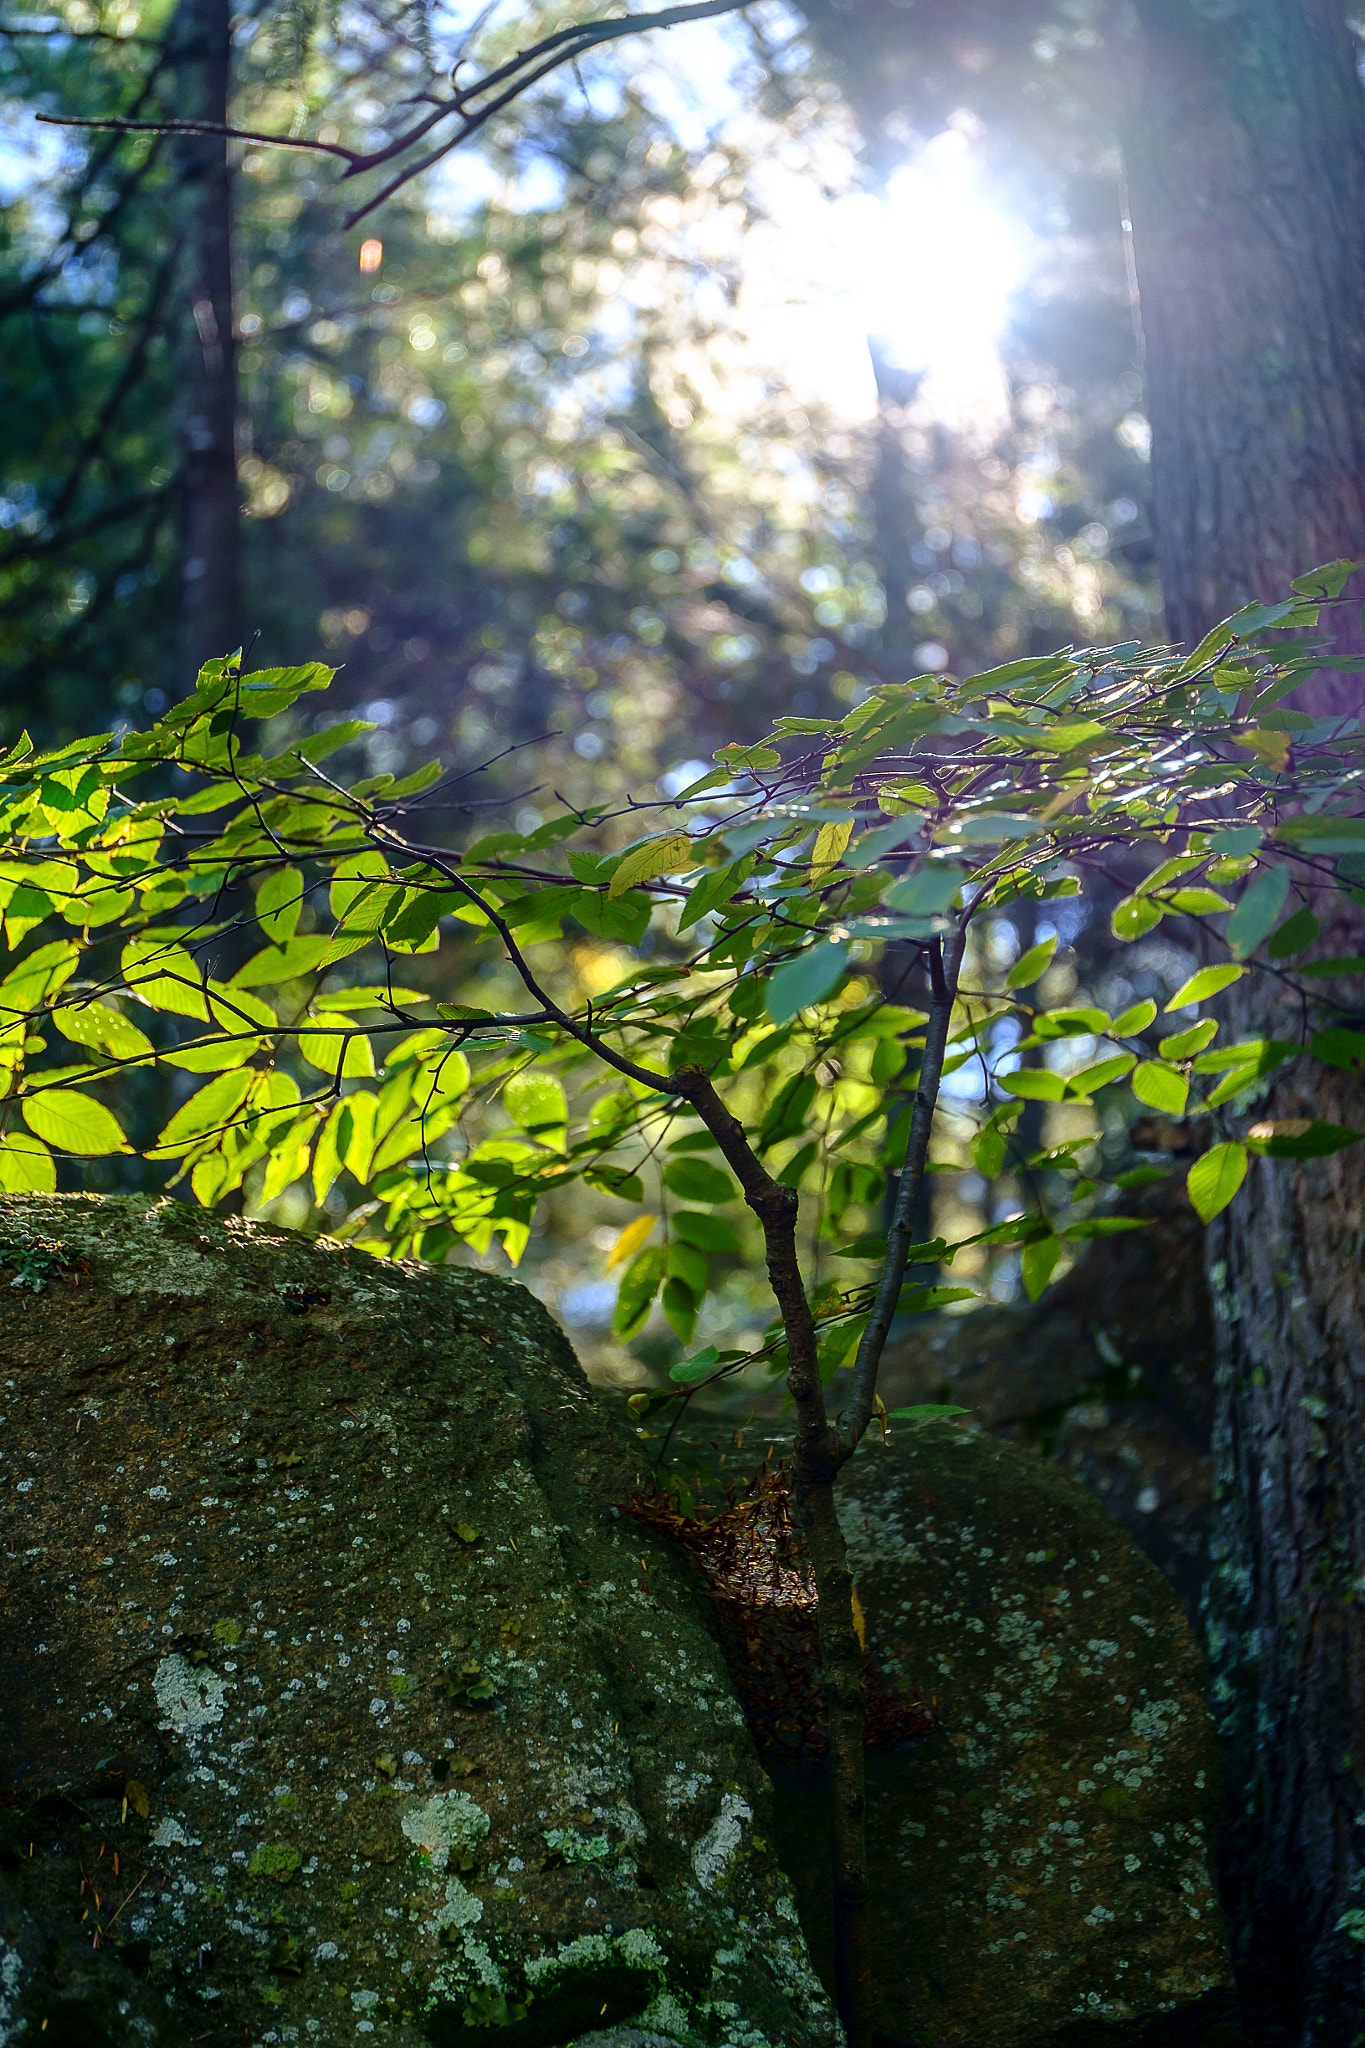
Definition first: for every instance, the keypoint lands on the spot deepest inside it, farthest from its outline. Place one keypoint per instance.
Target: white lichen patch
(459, 1908)
(715, 1852)
(189, 1699)
(169, 1835)
(449, 1823)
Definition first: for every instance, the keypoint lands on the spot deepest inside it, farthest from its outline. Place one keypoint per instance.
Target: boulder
(1041, 1860)
(1110, 1375)
(340, 1704)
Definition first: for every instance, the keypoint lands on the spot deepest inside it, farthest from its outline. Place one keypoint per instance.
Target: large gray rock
(1041, 1861)
(340, 1704)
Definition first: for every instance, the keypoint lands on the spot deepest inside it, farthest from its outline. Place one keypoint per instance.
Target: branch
(944, 991)
(507, 82)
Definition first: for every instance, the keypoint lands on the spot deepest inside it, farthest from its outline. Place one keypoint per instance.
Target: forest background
(636, 423)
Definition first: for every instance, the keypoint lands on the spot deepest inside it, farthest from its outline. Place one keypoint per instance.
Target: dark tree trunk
(210, 597)
(1245, 150)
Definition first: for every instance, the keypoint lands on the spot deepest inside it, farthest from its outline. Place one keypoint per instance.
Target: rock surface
(339, 1703)
(1110, 1375)
(1041, 1862)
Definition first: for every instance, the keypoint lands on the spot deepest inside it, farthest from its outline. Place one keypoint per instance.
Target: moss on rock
(337, 1704)
(1041, 1862)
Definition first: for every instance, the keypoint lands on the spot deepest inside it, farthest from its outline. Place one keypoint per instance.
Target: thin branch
(945, 973)
(506, 83)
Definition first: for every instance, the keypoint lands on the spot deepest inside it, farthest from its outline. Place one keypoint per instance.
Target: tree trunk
(210, 596)
(1245, 150)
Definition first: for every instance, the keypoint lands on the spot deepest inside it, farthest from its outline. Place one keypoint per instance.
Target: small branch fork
(496, 90)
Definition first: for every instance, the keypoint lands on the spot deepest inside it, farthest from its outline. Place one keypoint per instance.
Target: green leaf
(689, 1370)
(1323, 832)
(807, 979)
(278, 903)
(1258, 907)
(714, 889)
(1183, 1045)
(1161, 1087)
(1035, 1084)
(882, 840)
(1326, 582)
(1102, 1226)
(73, 1123)
(989, 828)
(680, 1307)
(536, 1102)
(1133, 918)
(1235, 840)
(1349, 964)
(669, 854)
(347, 1059)
(861, 1248)
(639, 1285)
(696, 1180)
(164, 977)
(615, 1180)
(1032, 965)
(625, 918)
(1101, 1075)
(1340, 1047)
(1299, 1138)
(1038, 1263)
(927, 1411)
(1197, 902)
(26, 1166)
(928, 891)
(1214, 1179)
(1209, 981)
(1133, 1020)
(707, 1233)
(210, 1110)
(1295, 935)
(102, 1028)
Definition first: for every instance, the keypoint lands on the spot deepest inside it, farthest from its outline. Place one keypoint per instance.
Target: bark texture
(210, 565)
(1245, 150)
(1287, 1635)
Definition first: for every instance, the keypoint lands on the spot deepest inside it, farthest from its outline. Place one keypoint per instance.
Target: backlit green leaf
(1160, 1087)
(1133, 918)
(73, 1123)
(1209, 981)
(1033, 964)
(26, 1166)
(1214, 1179)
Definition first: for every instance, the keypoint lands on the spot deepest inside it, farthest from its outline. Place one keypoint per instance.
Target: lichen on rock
(322, 1643)
(1042, 1860)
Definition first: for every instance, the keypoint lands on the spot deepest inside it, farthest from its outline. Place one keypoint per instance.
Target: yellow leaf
(630, 1240)
(136, 1796)
(1270, 747)
(830, 842)
(655, 857)
(859, 1618)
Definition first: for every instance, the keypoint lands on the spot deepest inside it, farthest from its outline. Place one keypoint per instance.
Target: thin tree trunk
(210, 560)
(1245, 150)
